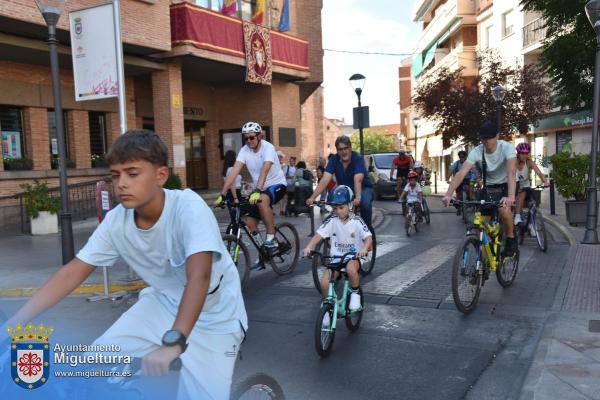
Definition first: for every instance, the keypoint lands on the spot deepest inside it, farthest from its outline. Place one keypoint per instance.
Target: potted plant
(98, 161)
(173, 181)
(41, 208)
(17, 164)
(570, 174)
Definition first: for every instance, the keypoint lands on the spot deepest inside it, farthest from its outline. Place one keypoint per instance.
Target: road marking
(305, 280)
(407, 273)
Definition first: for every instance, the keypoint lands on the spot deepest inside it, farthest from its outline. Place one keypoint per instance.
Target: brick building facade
(189, 91)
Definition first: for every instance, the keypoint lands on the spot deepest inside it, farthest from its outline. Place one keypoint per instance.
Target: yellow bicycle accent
(493, 236)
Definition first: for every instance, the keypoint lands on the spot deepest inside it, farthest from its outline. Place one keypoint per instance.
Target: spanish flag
(259, 12)
(229, 8)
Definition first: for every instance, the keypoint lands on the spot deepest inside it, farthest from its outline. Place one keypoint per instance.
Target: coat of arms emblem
(30, 355)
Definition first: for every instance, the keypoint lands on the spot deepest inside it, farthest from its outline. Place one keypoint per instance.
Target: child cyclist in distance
(413, 192)
(193, 308)
(347, 232)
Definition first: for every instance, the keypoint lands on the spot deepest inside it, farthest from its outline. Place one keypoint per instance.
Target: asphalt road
(412, 343)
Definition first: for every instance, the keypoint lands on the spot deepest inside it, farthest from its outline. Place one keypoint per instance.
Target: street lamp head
(498, 93)
(357, 81)
(416, 121)
(51, 9)
(592, 9)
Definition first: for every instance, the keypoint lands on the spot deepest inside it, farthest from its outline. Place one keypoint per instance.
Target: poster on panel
(94, 54)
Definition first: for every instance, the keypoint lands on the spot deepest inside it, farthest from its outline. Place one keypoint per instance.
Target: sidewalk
(567, 360)
(28, 261)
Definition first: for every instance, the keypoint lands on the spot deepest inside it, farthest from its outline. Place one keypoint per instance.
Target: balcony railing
(534, 32)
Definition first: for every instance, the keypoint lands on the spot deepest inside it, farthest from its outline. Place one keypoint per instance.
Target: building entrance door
(195, 154)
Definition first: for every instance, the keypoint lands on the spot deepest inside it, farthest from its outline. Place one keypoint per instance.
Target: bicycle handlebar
(232, 204)
(476, 203)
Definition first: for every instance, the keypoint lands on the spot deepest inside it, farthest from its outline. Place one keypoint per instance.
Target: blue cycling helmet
(341, 195)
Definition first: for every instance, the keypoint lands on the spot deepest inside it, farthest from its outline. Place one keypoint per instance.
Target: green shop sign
(564, 120)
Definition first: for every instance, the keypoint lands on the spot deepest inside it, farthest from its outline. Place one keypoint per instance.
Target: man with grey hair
(349, 169)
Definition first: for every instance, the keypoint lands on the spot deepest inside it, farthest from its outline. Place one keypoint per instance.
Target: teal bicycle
(334, 306)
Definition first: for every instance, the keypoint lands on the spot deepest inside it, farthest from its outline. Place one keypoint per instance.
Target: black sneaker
(510, 248)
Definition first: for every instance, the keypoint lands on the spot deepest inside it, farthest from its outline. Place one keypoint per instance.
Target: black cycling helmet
(462, 153)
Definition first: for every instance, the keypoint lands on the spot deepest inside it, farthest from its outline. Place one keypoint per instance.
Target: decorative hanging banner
(257, 43)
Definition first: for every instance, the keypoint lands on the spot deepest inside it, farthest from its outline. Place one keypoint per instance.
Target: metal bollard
(435, 182)
(552, 199)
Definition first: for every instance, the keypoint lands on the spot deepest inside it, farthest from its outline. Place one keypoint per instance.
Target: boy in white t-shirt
(193, 308)
(413, 192)
(347, 232)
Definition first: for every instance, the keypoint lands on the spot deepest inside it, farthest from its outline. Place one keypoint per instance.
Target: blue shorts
(275, 193)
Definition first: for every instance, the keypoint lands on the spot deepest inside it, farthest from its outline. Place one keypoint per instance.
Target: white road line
(305, 280)
(407, 273)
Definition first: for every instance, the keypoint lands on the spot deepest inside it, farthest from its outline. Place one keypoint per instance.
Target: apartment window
(487, 33)
(212, 4)
(98, 137)
(11, 129)
(53, 137)
(508, 23)
(246, 9)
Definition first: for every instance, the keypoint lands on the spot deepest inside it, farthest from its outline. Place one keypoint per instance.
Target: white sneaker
(518, 219)
(354, 301)
(532, 230)
(326, 321)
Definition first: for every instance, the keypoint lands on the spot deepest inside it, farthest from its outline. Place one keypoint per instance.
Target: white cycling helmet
(251, 127)
(419, 164)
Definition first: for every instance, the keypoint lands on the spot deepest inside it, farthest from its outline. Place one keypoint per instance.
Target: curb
(91, 288)
(566, 232)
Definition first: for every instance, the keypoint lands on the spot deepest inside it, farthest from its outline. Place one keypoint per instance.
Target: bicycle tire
(427, 215)
(473, 281)
(351, 324)
(507, 279)
(324, 337)
(318, 270)
(407, 225)
(242, 263)
(287, 245)
(258, 386)
(367, 266)
(540, 231)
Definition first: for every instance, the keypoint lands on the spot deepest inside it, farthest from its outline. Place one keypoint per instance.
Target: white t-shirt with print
(254, 162)
(496, 172)
(158, 255)
(344, 237)
(412, 194)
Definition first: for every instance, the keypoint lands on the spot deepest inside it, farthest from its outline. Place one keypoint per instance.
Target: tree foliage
(569, 50)
(459, 105)
(373, 141)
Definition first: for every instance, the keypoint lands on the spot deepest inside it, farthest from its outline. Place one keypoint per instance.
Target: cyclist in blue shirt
(468, 182)
(349, 169)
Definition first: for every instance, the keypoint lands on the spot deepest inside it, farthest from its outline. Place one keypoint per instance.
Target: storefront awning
(422, 60)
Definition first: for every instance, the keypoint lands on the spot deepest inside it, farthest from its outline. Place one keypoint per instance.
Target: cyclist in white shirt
(413, 192)
(347, 232)
(260, 157)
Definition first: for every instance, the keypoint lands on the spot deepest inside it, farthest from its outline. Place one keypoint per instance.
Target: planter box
(45, 224)
(577, 212)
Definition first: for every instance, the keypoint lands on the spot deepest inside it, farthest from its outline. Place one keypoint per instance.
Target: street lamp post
(498, 93)
(592, 9)
(416, 121)
(357, 82)
(51, 10)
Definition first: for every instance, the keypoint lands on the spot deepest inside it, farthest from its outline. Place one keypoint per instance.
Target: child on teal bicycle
(346, 232)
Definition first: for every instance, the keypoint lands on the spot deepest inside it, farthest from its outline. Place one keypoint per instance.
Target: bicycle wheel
(466, 280)
(259, 386)
(407, 225)
(324, 335)
(318, 270)
(540, 230)
(367, 266)
(507, 270)
(284, 259)
(353, 319)
(426, 212)
(240, 256)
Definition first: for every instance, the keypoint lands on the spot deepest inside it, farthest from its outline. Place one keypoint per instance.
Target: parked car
(379, 166)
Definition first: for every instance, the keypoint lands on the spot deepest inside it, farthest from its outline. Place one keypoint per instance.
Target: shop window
(563, 139)
(287, 137)
(231, 139)
(53, 139)
(13, 139)
(98, 136)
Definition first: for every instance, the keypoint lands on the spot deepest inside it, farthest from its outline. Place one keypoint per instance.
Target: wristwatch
(173, 337)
